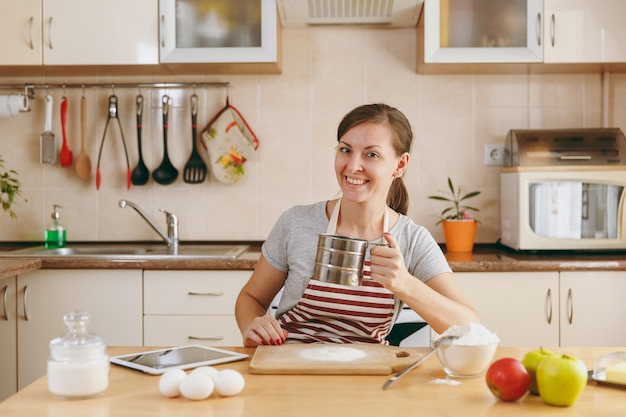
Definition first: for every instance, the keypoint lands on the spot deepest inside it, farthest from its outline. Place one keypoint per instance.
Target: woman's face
(366, 162)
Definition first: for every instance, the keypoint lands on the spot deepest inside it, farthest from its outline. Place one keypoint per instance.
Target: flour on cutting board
(332, 353)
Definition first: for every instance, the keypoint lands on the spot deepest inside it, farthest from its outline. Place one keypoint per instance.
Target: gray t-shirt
(292, 245)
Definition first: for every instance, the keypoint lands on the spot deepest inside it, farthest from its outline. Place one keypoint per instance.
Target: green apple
(561, 378)
(531, 361)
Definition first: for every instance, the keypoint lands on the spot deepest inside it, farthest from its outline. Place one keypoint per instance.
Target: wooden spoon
(83, 163)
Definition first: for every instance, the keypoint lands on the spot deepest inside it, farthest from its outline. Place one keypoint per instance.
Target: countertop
(425, 391)
(484, 258)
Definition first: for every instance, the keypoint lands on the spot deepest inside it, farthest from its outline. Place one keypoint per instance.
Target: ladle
(140, 174)
(444, 340)
(83, 163)
(166, 173)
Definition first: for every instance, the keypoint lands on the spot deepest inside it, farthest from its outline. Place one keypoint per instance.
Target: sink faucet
(172, 225)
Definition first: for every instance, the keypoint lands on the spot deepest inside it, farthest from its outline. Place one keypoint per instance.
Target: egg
(207, 370)
(197, 386)
(169, 383)
(228, 382)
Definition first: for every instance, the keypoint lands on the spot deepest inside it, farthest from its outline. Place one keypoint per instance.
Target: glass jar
(78, 366)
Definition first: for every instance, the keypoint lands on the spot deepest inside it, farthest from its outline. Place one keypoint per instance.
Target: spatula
(195, 168)
(65, 156)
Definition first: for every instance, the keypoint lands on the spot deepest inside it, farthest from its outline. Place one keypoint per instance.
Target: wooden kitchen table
(424, 392)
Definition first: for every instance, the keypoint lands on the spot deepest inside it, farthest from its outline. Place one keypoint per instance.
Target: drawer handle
(25, 300)
(4, 304)
(570, 306)
(549, 306)
(30, 32)
(206, 338)
(212, 293)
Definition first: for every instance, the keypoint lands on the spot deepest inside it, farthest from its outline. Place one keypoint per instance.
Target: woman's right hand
(264, 330)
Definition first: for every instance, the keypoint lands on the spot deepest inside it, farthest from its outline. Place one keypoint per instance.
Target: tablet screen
(181, 357)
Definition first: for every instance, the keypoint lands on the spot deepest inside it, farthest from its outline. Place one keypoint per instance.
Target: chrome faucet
(172, 225)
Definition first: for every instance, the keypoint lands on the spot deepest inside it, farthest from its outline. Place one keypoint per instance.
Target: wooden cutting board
(331, 359)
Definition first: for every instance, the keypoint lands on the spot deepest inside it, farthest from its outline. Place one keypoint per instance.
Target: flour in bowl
(332, 353)
(471, 334)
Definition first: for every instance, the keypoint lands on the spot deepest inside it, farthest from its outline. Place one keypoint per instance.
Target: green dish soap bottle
(55, 236)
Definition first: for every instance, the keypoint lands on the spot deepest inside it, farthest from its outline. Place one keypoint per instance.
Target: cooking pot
(339, 259)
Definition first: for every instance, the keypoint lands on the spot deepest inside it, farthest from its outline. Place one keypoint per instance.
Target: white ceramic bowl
(465, 361)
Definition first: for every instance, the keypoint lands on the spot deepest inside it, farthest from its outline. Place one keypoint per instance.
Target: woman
(374, 142)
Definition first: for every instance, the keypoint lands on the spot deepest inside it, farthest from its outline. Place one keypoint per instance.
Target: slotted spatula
(195, 168)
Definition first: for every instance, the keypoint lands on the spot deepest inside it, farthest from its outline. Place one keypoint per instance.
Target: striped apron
(334, 313)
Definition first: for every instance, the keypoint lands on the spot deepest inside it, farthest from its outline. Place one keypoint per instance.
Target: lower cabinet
(112, 297)
(550, 308)
(522, 308)
(192, 307)
(8, 338)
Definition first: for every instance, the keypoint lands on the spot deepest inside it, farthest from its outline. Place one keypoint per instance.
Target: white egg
(228, 382)
(169, 382)
(207, 370)
(197, 386)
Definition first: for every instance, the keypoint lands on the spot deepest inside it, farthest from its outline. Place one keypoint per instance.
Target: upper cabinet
(522, 31)
(200, 31)
(79, 32)
(482, 31)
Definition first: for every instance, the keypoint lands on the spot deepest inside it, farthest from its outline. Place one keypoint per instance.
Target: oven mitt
(229, 142)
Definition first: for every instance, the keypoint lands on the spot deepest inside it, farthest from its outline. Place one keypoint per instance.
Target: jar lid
(78, 343)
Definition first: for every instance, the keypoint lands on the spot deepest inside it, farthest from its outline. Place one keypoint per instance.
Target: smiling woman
(406, 267)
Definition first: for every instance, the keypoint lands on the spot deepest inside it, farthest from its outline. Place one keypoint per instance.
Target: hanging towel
(230, 143)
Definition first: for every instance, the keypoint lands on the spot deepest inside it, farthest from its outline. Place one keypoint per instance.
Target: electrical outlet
(494, 155)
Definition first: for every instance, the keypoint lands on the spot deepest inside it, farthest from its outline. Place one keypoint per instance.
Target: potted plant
(459, 228)
(9, 189)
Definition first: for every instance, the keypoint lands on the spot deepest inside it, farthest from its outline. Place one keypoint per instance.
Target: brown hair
(402, 135)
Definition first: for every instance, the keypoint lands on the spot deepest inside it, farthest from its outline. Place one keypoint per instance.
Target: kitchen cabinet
(192, 307)
(522, 308)
(522, 31)
(567, 308)
(112, 297)
(79, 32)
(193, 31)
(8, 337)
(593, 312)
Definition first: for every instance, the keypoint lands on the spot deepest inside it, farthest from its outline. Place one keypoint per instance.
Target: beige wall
(326, 72)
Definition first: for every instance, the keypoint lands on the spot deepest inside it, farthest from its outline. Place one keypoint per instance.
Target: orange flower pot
(459, 234)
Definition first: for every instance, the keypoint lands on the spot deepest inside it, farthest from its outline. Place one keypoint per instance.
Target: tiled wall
(326, 72)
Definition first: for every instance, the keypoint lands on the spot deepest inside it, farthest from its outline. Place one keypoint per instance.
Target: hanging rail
(29, 89)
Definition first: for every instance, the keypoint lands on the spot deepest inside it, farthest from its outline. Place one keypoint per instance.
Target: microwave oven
(563, 190)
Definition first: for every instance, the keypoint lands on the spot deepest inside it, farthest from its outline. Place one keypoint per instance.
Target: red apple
(561, 379)
(531, 361)
(508, 379)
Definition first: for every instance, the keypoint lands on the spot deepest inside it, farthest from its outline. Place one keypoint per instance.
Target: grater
(47, 141)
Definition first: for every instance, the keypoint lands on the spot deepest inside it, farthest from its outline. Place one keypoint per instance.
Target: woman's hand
(387, 264)
(264, 330)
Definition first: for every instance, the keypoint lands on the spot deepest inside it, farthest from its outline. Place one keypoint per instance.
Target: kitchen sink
(133, 251)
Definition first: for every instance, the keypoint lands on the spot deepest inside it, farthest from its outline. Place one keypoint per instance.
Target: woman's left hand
(387, 264)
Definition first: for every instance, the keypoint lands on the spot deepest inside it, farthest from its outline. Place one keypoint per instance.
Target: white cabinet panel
(8, 338)
(189, 330)
(520, 307)
(112, 297)
(20, 31)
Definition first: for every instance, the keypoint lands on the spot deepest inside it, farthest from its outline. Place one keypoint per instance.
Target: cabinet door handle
(30, 32)
(538, 29)
(549, 306)
(5, 297)
(570, 306)
(50, 32)
(162, 31)
(206, 338)
(25, 301)
(552, 30)
(212, 294)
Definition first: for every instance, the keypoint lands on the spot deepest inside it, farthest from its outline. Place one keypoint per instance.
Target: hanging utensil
(65, 157)
(47, 141)
(166, 173)
(112, 115)
(83, 163)
(140, 174)
(195, 169)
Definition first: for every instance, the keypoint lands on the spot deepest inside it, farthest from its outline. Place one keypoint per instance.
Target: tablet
(156, 362)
